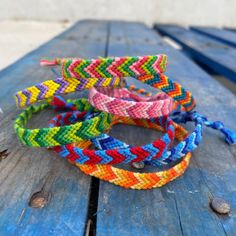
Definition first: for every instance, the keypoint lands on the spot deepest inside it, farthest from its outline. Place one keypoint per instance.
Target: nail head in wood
(138, 165)
(220, 206)
(39, 200)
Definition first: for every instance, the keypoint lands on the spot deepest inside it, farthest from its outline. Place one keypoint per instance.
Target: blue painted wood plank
(218, 56)
(182, 206)
(25, 170)
(224, 36)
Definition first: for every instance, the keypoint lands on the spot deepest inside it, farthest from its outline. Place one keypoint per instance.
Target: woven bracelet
(49, 137)
(110, 66)
(122, 102)
(189, 144)
(106, 142)
(59, 86)
(129, 179)
(79, 74)
(124, 67)
(118, 152)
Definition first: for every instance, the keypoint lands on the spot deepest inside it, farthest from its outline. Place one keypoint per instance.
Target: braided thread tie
(109, 67)
(183, 117)
(122, 102)
(49, 137)
(129, 179)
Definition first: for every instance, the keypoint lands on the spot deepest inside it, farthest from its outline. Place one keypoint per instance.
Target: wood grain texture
(216, 55)
(182, 206)
(222, 35)
(26, 171)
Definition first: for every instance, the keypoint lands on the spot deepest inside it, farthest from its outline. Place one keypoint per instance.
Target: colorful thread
(122, 102)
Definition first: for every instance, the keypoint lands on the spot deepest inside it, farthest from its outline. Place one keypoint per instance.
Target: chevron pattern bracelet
(106, 142)
(110, 66)
(49, 137)
(142, 71)
(129, 179)
(60, 86)
(122, 102)
(118, 152)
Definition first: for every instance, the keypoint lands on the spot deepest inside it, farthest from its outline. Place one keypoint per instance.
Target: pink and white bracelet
(122, 102)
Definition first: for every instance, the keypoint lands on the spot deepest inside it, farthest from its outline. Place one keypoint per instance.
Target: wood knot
(39, 199)
(220, 206)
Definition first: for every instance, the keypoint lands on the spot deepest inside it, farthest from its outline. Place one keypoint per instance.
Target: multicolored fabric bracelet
(129, 179)
(106, 142)
(189, 144)
(118, 152)
(60, 86)
(147, 69)
(110, 66)
(49, 137)
(122, 102)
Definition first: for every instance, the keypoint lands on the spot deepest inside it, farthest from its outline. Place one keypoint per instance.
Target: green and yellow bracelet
(49, 137)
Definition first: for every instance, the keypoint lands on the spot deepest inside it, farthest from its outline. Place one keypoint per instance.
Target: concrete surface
(20, 37)
(184, 12)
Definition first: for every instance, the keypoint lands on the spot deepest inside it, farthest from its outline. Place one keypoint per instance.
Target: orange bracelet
(135, 180)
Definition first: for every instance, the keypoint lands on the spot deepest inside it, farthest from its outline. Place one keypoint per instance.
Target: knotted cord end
(230, 136)
(183, 117)
(47, 62)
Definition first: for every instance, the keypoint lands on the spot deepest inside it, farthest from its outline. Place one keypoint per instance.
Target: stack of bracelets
(85, 122)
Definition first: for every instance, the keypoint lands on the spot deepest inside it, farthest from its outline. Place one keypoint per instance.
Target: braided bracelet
(147, 69)
(106, 68)
(118, 152)
(59, 86)
(48, 137)
(129, 179)
(103, 69)
(115, 102)
(109, 67)
(106, 142)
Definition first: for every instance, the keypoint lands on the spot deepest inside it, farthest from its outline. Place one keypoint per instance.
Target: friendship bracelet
(105, 141)
(49, 137)
(135, 180)
(59, 86)
(118, 152)
(172, 89)
(137, 67)
(110, 66)
(118, 102)
(129, 179)
(106, 68)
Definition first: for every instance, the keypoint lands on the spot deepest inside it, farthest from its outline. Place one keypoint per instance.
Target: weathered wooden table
(76, 204)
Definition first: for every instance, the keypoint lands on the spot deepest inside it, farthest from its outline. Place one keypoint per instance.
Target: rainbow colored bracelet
(129, 179)
(110, 66)
(49, 137)
(78, 74)
(118, 152)
(114, 151)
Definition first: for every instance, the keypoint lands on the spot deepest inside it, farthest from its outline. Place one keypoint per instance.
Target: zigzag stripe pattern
(172, 89)
(129, 179)
(142, 69)
(110, 67)
(48, 137)
(118, 102)
(115, 155)
(59, 86)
